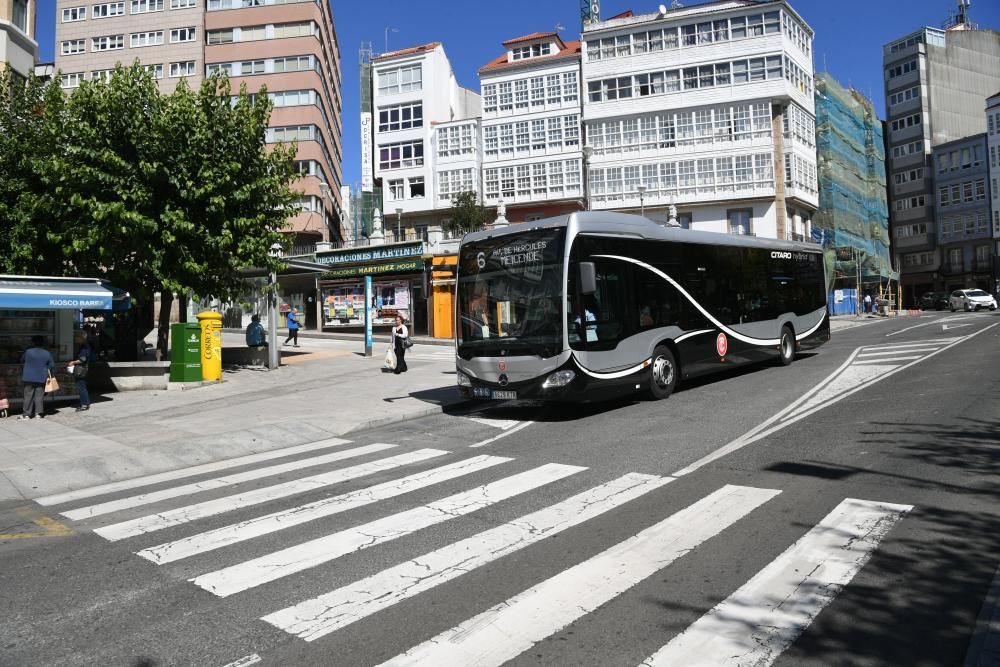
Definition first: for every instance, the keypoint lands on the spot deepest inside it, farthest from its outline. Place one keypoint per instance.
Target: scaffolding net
(853, 218)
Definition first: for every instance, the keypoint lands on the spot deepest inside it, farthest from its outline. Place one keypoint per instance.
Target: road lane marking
(218, 483)
(511, 431)
(154, 522)
(908, 350)
(927, 324)
(251, 528)
(949, 327)
(841, 383)
(322, 615)
(245, 661)
(508, 629)
(276, 565)
(50, 527)
(928, 342)
(881, 360)
(171, 475)
(502, 424)
(781, 600)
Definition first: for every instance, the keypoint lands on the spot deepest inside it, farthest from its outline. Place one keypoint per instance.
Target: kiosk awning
(30, 292)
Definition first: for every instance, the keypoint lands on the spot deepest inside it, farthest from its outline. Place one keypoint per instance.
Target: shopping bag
(390, 359)
(51, 384)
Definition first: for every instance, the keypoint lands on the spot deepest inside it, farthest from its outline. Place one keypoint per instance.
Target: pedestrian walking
(38, 364)
(868, 303)
(293, 327)
(400, 341)
(79, 368)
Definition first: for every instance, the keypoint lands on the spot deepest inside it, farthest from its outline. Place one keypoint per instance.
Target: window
(155, 70)
(416, 186)
(396, 189)
(249, 67)
(72, 47)
(293, 64)
(109, 9)
(400, 117)
(182, 35)
(185, 68)
(301, 29)
(252, 33)
(143, 6)
(506, 96)
(740, 221)
(140, 39)
(399, 80)
(71, 14)
(101, 75)
(904, 68)
(400, 155)
(521, 94)
(71, 80)
(183, 4)
(532, 51)
(108, 43)
(220, 36)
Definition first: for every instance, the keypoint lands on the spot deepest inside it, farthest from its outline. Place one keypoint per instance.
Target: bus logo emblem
(502, 380)
(502, 366)
(721, 344)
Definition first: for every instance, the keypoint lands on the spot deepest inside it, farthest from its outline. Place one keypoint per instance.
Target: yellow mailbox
(211, 345)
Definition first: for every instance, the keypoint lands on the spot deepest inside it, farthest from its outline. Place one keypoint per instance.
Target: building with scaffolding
(853, 217)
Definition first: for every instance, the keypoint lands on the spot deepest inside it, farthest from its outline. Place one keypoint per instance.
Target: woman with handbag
(38, 365)
(79, 367)
(400, 341)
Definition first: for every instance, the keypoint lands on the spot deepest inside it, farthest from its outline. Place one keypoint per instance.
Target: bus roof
(608, 223)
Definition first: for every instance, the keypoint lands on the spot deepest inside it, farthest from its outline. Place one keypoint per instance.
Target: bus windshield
(509, 295)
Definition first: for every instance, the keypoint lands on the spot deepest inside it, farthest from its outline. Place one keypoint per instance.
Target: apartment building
(964, 235)
(424, 138)
(704, 115)
(532, 143)
(993, 144)
(18, 48)
(166, 36)
(291, 47)
(936, 81)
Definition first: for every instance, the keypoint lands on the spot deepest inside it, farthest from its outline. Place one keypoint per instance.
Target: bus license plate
(504, 394)
(486, 392)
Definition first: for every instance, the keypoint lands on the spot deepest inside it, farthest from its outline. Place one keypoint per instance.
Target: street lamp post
(642, 205)
(587, 152)
(399, 219)
(273, 354)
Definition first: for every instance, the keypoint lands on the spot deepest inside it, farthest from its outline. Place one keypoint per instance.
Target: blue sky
(849, 36)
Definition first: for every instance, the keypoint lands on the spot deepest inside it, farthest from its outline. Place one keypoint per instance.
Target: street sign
(369, 316)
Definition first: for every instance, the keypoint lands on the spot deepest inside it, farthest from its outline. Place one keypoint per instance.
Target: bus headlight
(463, 379)
(558, 379)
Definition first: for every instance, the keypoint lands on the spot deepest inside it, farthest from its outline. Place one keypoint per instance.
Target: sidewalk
(325, 389)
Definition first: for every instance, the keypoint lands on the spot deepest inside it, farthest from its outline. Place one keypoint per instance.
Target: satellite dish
(663, 9)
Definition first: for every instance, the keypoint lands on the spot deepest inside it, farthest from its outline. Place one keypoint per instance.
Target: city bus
(594, 305)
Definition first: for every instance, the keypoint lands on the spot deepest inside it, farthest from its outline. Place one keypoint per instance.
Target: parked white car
(972, 299)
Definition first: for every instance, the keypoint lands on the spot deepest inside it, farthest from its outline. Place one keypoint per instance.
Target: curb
(388, 421)
(359, 338)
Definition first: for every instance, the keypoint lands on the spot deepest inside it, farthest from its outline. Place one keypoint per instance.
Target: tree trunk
(163, 323)
(182, 307)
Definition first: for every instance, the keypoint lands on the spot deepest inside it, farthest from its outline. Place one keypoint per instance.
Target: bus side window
(658, 300)
(604, 320)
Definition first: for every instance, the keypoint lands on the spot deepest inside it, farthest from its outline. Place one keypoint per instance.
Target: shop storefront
(399, 279)
(52, 308)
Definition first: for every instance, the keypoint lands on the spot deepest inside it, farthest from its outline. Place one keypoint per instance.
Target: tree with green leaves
(466, 215)
(157, 193)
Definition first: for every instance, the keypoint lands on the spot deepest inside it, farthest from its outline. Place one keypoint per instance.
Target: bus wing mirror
(588, 278)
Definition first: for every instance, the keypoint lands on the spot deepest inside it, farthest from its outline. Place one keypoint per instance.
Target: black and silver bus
(589, 306)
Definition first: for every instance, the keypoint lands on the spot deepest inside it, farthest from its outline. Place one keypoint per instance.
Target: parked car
(972, 299)
(935, 300)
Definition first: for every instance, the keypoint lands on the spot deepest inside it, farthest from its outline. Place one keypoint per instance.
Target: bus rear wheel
(786, 346)
(663, 375)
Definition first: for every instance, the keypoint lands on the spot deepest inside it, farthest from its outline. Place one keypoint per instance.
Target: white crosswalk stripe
(147, 524)
(245, 530)
(782, 600)
(754, 625)
(309, 554)
(219, 482)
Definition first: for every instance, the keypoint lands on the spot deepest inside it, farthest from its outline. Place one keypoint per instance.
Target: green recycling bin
(185, 352)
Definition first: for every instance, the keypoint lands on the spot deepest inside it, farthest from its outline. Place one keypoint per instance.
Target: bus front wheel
(786, 346)
(663, 378)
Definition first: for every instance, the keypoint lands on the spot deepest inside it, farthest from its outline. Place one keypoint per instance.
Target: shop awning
(34, 292)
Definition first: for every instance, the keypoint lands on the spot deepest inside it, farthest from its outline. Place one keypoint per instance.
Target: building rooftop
(532, 37)
(409, 51)
(502, 62)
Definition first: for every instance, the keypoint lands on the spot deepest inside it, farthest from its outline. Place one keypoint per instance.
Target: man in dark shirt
(37, 362)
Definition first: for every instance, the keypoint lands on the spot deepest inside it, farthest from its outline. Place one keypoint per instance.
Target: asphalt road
(840, 511)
